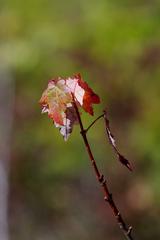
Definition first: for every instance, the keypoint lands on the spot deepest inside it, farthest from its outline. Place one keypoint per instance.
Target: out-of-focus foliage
(115, 45)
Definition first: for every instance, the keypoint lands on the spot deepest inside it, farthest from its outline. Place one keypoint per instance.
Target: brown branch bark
(100, 177)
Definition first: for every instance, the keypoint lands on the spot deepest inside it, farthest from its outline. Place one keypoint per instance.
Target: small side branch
(112, 141)
(100, 177)
(86, 130)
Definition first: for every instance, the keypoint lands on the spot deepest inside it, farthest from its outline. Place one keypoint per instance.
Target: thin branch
(112, 141)
(102, 115)
(100, 177)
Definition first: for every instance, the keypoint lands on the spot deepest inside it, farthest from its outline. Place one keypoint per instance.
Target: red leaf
(89, 96)
(57, 101)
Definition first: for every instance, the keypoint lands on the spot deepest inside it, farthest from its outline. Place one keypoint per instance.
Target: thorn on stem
(118, 215)
(106, 198)
(102, 179)
(129, 230)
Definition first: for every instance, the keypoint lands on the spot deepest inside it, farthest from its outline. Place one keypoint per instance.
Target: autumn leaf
(54, 100)
(89, 96)
(57, 101)
(69, 120)
(112, 141)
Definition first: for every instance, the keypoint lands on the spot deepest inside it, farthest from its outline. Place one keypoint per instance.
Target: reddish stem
(100, 177)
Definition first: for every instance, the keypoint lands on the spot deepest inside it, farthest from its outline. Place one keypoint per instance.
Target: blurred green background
(115, 45)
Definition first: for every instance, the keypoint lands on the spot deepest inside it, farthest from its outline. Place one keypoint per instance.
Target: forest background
(47, 188)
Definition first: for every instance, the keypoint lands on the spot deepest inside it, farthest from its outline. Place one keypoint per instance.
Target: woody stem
(100, 177)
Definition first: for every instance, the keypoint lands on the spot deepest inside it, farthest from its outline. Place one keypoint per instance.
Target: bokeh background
(47, 187)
